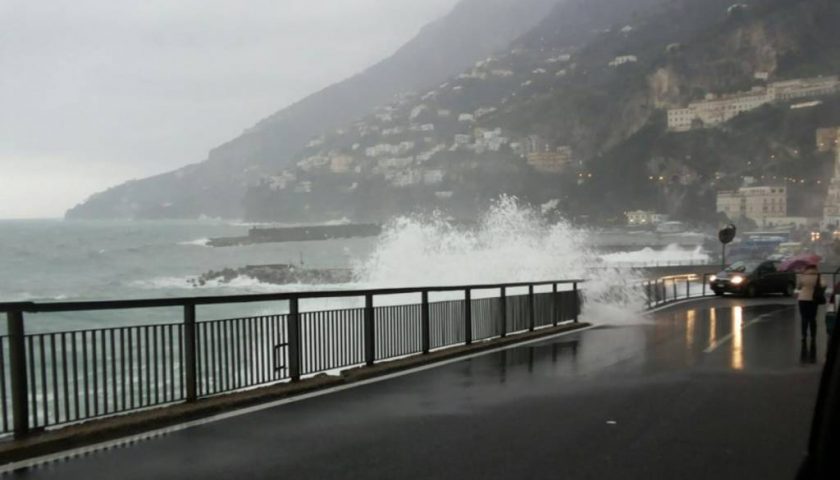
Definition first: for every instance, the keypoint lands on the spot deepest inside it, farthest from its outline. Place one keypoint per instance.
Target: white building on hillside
(831, 209)
(756, 203)
(717, 110)
(803, 87)
(621, 60)
(645, 217)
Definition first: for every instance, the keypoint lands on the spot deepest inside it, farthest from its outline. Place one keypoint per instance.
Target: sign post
(726, 235)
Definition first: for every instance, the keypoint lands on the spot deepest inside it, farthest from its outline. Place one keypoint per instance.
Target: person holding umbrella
(810, 294)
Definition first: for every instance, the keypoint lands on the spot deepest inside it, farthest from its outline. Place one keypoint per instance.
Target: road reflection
(689, 328)
(712, 326)
(737, 357)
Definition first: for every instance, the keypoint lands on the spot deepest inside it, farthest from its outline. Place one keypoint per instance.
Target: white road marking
(120, 442)
(717, 343)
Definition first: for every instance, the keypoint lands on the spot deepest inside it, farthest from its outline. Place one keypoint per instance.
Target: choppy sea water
(56, 260)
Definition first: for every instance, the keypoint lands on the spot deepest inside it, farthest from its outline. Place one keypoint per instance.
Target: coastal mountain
(573, 116)
(216, 187)
(577, 115)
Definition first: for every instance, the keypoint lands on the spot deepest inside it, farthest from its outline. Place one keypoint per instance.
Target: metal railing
(674, 288)
(663, 263)
(665, 290)
(58, 378)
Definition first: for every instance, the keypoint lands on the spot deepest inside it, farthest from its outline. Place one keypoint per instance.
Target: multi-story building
(828, 139)
(551, 162)
(831, 209)
(341, 163)
(645, 217)
(756, 203)
(714, 111)
(803, 87)
(717, 110)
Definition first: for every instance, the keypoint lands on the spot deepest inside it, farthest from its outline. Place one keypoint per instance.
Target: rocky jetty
(282, 274)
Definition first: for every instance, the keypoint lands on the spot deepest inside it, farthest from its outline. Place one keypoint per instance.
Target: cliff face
(216, 186)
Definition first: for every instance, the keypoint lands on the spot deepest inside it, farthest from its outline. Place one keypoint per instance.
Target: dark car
(753, 278)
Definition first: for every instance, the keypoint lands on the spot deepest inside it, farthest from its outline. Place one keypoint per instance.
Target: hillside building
(831, 208)
(621, 60)
(502, 73)
(717, 110)
(535, 144)
(645, 217)
(341, 163)
(463, 139)
(551, 162)
(756, 203)
(803, 87)
(828, 139)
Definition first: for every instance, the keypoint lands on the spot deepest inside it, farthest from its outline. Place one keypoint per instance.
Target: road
(716, 389)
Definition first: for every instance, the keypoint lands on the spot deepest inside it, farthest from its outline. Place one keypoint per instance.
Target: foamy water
(511, 243)
(670, 254)
(199, 242)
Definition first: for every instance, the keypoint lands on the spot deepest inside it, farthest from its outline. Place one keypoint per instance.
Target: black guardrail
(674, 288)
(58, 378)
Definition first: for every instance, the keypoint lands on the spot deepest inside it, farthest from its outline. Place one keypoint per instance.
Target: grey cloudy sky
(96, 92)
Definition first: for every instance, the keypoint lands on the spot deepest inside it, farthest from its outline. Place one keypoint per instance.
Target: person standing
(808, 288)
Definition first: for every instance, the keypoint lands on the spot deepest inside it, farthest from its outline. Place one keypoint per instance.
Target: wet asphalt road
(694, 392)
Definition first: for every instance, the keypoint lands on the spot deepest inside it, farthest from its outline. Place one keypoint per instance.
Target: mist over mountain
(216, 186)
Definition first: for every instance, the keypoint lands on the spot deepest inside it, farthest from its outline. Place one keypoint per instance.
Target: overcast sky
(96, 92)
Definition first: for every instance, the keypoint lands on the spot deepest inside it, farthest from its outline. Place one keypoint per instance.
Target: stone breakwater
(298, 234)
(282, 274)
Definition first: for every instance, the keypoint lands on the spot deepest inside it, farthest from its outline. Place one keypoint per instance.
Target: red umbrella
(799, 262)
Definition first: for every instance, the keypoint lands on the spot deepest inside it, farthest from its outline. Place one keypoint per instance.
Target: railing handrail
(206, 352)
(38, 307)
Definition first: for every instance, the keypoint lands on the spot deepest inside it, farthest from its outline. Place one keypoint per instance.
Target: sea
(62, 260)
(69, 260)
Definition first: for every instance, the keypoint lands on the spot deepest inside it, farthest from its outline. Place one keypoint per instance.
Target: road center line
(717, 343)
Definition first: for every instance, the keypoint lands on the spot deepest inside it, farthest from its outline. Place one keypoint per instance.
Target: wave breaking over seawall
(510, 243)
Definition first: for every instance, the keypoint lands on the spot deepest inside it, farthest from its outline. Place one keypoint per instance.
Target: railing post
(370, 334)
(295, 347)
(503, 307)
(704, 284)
(17, 364)
(577, 302)
(424, 321)
(530, 308)
(687, 288)
(555, 303)
(468, 316)
(674, 286)
(648, 293)
(190, 357)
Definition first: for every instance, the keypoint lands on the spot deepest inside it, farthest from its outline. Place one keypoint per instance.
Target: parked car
(753, 278)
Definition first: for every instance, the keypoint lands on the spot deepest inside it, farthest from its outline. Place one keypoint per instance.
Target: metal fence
(674, 288)
(53, 379)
